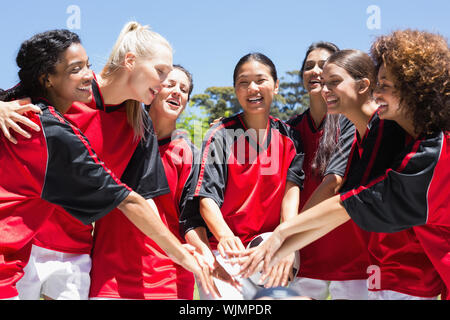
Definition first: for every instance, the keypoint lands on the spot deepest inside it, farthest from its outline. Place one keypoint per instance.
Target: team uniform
(247, 180)
(129, 265)
(412, 192)
(403, 264)
(60, 260)
(56, 168)
(335, 264)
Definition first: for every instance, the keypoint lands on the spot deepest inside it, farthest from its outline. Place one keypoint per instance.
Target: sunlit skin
(71, 81)
(140, 78)
(347, 96)
(343, 95)
(388, 99)
(165, 109)
(170, 102)
(312, 81)
(255, 89)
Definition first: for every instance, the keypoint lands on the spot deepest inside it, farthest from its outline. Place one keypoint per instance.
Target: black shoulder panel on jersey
(75, 178)
(145, 172)
(398, 199)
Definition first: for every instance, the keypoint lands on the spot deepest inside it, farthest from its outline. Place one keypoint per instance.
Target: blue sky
(209, 36)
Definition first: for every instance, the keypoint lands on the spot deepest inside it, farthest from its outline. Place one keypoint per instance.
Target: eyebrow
(260, 75)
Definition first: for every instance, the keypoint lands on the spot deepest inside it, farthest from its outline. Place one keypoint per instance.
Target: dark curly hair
(419, 63)
(37, 57)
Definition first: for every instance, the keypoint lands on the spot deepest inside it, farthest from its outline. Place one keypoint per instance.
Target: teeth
(85, 88)
(255, 99)
(173, 102)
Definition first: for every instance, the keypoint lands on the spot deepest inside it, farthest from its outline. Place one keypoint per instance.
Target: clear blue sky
(209, 36)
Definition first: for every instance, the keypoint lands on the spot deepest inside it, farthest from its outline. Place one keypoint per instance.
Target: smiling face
(173, 97)
(387, 96)
(340, 90)
(312, 72)
(255, 87)
(72, 79)
(146, 75)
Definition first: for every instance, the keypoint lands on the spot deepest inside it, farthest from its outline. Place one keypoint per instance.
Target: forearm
(144, 217)
(213, 218)
(291, 201)
(301, 240)
(327, 214)
(329, 186)
(198, 239)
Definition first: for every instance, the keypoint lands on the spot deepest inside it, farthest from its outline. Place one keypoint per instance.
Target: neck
(114, 89)
(162, 125)
(58, 104)
(318, 108)
(408, 125)
(257, 123)
(361, 117)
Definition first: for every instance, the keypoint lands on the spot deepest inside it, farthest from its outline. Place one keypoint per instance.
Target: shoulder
(224, 128)
(297, 119)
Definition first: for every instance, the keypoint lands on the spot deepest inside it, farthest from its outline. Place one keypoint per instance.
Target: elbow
(333, 183)
(132, 200)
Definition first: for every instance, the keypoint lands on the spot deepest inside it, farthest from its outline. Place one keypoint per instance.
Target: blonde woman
(118, 129)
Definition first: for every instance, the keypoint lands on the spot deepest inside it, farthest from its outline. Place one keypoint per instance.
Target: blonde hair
(143, 43)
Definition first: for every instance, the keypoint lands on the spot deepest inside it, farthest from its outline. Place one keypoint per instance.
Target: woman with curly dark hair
(413, 90)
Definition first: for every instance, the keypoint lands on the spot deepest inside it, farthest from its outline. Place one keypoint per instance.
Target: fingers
(17, 118)
(7, 134)
(24, 101)
(279, 273)
(29, 107)
(230, 244)
(14, 126)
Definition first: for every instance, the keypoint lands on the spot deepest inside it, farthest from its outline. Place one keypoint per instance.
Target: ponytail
(142, 42)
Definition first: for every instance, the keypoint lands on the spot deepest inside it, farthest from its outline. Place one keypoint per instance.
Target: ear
(364, 86)
(130, 60)
(277, 87)
(44, 81)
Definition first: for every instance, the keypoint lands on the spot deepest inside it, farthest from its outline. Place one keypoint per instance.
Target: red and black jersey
(111, 136)
(127, 264)
(411, 192)
(404, 266)
(56, 168)
(247, 179)
(340, 254)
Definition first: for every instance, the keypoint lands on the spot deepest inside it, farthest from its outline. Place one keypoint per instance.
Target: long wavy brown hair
(419, 62)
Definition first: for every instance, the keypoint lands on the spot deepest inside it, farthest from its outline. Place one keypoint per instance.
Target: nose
(376, 93)
(88, 75)
(252, 87)
(316, 70)
(176, 91)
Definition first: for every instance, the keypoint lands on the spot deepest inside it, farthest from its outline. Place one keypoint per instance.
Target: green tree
(292, 99)
(218, 102)
(194, 120)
